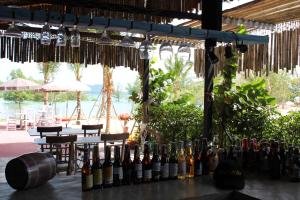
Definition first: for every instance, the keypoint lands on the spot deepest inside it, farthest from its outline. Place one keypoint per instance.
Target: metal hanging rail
(40, 16)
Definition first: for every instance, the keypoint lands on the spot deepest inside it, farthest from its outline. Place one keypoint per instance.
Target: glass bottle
(107, 169)
(117, 168)
(127, 166)
(155, 164)
(197, 158)
(282, 154)
(86, 173)
(137, 166)
(164, 168)
(147, 166)
(75, 37)
(96, 169)
(173, 162)
(245, 153)
(190, 164)
(181, 162)
(204, 157)
(274, 161)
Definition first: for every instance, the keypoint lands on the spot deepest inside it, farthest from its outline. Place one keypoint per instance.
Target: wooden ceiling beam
(89, 4)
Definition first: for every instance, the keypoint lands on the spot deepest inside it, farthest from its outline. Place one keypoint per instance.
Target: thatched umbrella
(18, 84)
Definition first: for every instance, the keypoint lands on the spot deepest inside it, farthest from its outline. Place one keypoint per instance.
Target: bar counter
(69, 188)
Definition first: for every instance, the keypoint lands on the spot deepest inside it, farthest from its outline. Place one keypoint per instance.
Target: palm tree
(77, 69)
(108, 89)
(179, 69)
(48, 69)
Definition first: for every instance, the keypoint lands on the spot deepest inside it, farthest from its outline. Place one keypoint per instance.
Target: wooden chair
(63, 149)
(79, 149)
(48, 129)
(114, 138)
(87, 127)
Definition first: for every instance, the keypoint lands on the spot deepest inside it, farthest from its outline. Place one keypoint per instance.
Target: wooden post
(211, 20)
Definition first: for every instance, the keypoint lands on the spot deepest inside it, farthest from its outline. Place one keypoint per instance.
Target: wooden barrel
(30, 170)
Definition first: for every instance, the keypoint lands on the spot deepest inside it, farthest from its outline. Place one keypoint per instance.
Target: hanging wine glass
(105, 39)
(146, 49)
(165, 50)
(127, 41)
(184, 51)
(75, 37)
(46, 34)
(61, 40)
(13, 31)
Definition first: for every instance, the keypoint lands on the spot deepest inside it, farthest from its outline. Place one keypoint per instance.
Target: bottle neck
(107, 154)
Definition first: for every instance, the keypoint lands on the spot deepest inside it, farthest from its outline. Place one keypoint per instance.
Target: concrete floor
(69, 188)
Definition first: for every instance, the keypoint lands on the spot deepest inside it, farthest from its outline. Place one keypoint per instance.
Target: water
(62, 108)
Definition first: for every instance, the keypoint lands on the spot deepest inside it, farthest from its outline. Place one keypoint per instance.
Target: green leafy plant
(174, 122)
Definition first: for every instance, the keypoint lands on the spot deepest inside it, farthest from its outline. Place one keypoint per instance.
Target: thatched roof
(262, 11)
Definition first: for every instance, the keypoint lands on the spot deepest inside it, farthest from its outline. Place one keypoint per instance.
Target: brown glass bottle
(204, 157)
(147, 166)
(155, 164)
(117, 168)
(173, 162)
(127, 166)
(164, 168)
(197, 158)
(137, 166)
(181, 162)
(96, 169)
(107, 169)
(86, 173)
(190, 164)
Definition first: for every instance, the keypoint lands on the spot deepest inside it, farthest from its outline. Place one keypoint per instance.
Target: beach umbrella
(65, 86)
(18, 84)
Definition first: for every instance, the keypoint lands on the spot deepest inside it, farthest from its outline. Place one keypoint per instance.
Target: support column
(211, 20)
(145, 91)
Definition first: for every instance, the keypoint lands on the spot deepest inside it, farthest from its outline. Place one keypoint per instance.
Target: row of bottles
(267, 157)
(186, 161)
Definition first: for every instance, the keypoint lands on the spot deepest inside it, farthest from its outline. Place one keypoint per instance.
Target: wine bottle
(245, 153)
(274, 161)
(127, 166)
(197, 158)
(86, 173)
(204, 157)
(147, 166)
(282, 154)
(173, 162)
(181, 162)
(190, 165)
(107, 169)
(137, 166)
(96, 169)
(164, 168)
(117, 168)
(155, 164)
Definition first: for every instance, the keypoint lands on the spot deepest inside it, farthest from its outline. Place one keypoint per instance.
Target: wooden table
(65, 131)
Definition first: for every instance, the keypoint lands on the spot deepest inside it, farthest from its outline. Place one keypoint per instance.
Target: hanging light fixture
(127, 41)
(184, 51)
(75, 37)
(61, 40)
(165, 50)
(105, 39)
(146, 49)
(46, 34)
(13, 31)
